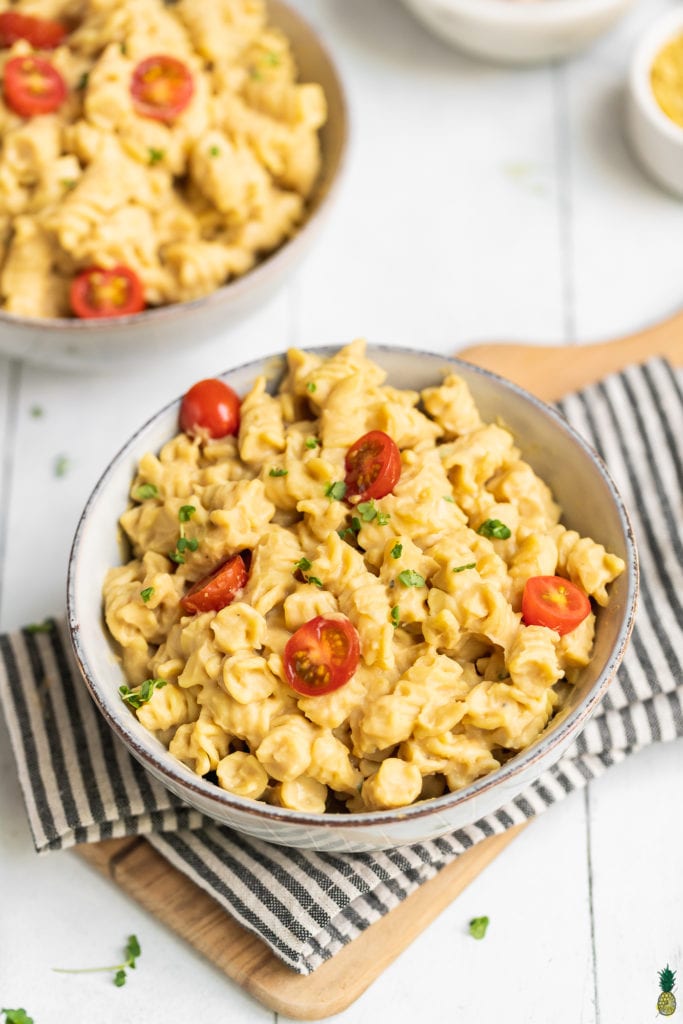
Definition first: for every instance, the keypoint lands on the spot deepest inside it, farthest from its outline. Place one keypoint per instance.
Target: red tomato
(321, 656)
(161, 87)
(97, 292)
(212, 406)
(554, 602)
(217, 590)
(373, 466)
(33, 86)
(41, 33)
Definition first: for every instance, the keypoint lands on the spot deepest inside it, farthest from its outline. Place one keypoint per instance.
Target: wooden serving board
(549, 372)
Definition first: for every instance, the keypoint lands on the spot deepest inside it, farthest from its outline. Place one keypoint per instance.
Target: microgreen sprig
(145, 491)
(410, 578)
(17, 1016)
(301, 571)
(336, 490)
(185, 513)
(494, 528)
(478, 926)
(136, 698)
(132, 953)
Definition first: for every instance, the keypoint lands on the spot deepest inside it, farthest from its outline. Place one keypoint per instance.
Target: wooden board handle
(551, 371)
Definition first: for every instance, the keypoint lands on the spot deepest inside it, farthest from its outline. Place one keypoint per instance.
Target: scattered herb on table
(494, 528)
(36, 411)
(478, 926)
(17, 1016)
(62, 465)
(132, 953)
(143, 695)
(46, 626)
(410, 578)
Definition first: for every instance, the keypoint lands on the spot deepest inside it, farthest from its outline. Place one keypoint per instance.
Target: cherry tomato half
(211, 406)
(554, 602)
(97, 292)
(161, 87)
(41, 33)
(321, 656)
(373, 466)
(33, 86)
(217, 590)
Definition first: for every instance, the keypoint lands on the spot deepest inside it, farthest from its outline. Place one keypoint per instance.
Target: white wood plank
(536, 896)
(636, 830)
(447, 229)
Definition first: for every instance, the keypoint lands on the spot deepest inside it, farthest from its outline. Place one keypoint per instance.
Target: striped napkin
(80, 785)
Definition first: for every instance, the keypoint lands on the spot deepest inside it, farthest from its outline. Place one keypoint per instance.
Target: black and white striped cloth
(80, 785)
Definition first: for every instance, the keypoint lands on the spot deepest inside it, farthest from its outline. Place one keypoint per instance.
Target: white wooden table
(480, 204)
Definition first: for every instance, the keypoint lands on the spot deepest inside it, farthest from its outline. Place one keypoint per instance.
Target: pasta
(451, 677)
(184, 200)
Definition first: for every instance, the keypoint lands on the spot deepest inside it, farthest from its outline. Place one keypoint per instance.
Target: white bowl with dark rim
(590, 504)
(73, 344)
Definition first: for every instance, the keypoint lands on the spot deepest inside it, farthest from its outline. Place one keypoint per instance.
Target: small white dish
(656, 140)
(518, 32)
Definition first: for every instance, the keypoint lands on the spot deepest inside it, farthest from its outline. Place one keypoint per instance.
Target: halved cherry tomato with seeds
(161, 87)
(33, 86)
(373, 466)
(210, 406)
(41, 33)
(321, 656)
(217, 590)
(554, 602)
(100, 292)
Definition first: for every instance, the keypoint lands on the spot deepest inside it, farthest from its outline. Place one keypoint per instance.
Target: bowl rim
(663, 29)
(315, 208)
(163, 765)
(536, 13)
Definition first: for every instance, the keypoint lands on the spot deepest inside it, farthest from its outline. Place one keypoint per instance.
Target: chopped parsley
(397, 550)
(46, 626)
(368, 512)
(155, 155)
(461, 568)
(214, 151)
(336, 491)
(494, 528)
(278, 472)
(145, 491)
(395, 616)
(143, 695)
(146, 594)
(478, 926)
(311, 387)
(449, 497)
(410, 578)
(312, 442)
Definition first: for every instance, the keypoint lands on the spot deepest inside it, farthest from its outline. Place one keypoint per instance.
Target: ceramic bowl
(74, 344)
(655, 138)
(519, 31)
(590, 505)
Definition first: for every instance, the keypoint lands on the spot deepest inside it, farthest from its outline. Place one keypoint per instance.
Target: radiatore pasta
(449, 680)
(186, 201)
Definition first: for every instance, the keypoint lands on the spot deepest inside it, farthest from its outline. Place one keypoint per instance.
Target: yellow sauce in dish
(666, 77)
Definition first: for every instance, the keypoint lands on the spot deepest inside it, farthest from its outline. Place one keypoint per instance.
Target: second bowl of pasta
(364, 597)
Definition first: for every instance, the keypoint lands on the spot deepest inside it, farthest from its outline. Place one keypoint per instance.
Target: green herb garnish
(316, 582)
(410, 578)
(278, 472)
(68, 183)
(177, 558)
(303, 564)
(36, 412)
(395, 616)
(461, 568)
(383, 518)
(367, 510)
(17, 1016)
(145, 491)
(494, 528)
(143, 695)
(214, 151)
(311, 387)
(132, 953)
(449, 497)
(146, 594)
(185, 513)
(478, 926)
(336, 491)
(312, 442)
(83, 81)
(397, 550)
(62, 465)
(155, 155)
(272, 58)
(46, 626)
